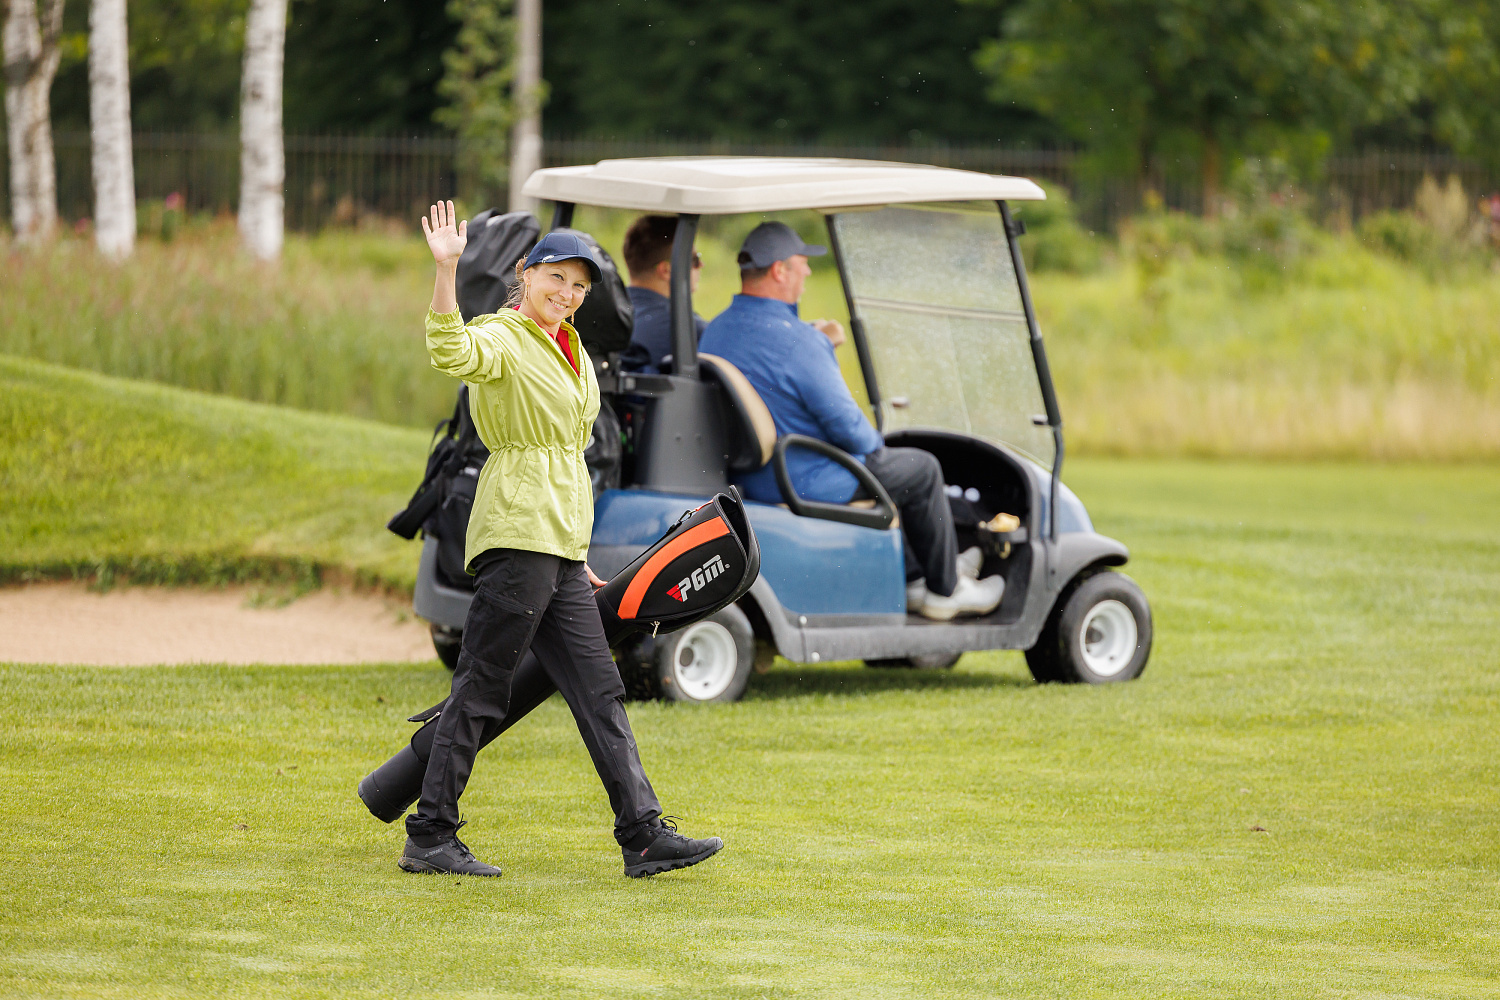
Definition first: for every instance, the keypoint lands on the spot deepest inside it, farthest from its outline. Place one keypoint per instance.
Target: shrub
(1441, 235)
(1054, 240)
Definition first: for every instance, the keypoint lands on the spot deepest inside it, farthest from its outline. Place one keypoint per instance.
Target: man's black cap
(773, 241)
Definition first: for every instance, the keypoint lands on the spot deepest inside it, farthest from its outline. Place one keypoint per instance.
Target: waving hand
(446, 236)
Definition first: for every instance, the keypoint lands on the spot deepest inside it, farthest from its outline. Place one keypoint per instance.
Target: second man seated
(648, 258)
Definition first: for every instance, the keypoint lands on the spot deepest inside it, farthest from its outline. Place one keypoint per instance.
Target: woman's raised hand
(446, 236)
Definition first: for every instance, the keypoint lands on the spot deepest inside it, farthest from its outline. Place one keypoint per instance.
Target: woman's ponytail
(518, 292)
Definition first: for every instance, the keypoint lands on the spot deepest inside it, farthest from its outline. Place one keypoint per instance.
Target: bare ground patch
(145, 626)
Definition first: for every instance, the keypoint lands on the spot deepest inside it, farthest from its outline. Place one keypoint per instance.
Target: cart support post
(684, 337)
(562, 215)
(856, 326)
(1013, 231)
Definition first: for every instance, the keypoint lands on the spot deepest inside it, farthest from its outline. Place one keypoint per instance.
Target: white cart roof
(726, 185)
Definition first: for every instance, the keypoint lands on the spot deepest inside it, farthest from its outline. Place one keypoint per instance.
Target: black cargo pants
(542, 602)
(914, 479)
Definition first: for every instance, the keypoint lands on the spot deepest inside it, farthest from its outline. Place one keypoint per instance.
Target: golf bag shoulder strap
(455, 439)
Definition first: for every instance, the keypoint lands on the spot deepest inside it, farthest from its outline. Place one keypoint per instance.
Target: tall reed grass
(1351, 356)
(1345, 353)
(336, 326)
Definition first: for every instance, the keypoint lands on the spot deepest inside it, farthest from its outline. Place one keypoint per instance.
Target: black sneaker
(667, 850)
(450, 857)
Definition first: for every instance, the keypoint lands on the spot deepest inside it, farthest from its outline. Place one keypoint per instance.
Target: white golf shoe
(970, 597)
(969, 562)
(916, 596)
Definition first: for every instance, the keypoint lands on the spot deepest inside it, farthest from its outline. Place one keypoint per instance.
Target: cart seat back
(751, 431)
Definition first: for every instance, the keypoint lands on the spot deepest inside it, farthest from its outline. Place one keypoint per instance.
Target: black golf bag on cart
(705, 561)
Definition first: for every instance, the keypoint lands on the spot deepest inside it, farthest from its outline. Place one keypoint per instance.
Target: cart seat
(752, 432)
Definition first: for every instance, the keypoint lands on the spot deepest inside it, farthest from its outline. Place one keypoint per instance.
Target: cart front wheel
(1099, 633)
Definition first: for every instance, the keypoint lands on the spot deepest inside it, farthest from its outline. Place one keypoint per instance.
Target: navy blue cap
(773, 241)
(563, 246)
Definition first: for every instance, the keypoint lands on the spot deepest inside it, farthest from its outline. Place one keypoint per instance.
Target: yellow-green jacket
(535, 414)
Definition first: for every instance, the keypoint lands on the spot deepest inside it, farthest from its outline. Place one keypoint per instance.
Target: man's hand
(594, 580)
(832, 329)
(446, 236)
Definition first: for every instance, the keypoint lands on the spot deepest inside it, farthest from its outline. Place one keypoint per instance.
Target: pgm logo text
(708, 571)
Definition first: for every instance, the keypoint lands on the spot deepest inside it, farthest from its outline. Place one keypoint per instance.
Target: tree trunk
(262, 156)
(109, 130)
(526, 137)
(1213, 168)
(30, 46)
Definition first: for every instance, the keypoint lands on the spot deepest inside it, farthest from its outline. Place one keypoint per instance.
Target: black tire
(921, 661)
(709, 660)
(447, 641)
(636, 660)
(1100, 632)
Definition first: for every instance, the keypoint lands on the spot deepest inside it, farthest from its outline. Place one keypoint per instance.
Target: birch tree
(526, 136)
(31, 56)
(262, 154)
(109, 130)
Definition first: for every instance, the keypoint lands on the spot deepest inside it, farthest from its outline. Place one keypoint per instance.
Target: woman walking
(533, 397)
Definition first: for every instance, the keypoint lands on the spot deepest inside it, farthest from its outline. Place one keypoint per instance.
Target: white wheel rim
(704, 662)
(1109, 638)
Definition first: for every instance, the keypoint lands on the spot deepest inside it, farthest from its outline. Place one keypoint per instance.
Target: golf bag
(440, 507)
(703, 563)
(487, 273)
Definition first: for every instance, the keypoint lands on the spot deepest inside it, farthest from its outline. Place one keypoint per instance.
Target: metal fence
(337, 180)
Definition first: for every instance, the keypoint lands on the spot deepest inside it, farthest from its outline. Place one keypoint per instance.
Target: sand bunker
(141, 626)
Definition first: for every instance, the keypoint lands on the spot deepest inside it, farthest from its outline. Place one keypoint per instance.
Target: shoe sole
(423, 868)
(669, 865)
(947, 614)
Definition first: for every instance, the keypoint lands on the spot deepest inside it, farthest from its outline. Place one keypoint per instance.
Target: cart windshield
(937, 294)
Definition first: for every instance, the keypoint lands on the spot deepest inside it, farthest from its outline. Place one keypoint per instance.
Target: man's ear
(777, 273)
(664, 270)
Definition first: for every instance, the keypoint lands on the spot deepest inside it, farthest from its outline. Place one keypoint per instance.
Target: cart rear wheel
(710, 660)
(1099, 633)
(447, 641)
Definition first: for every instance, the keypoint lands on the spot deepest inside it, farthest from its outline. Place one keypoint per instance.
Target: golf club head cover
(705, 561)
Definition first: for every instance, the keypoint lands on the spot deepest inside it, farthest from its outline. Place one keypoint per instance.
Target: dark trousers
(544, 603)
(914, 479)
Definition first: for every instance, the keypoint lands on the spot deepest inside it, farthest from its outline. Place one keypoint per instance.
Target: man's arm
(821, 386)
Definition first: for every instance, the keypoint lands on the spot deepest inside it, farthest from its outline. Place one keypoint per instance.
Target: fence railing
(335, 180)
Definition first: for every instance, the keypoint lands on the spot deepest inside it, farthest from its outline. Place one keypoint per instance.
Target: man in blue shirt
(793, 367)
(648, 258)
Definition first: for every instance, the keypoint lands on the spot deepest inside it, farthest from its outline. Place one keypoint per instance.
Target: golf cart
(953, 363)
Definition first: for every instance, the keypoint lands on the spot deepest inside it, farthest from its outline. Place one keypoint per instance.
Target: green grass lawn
(103, 476)
(1298, 799)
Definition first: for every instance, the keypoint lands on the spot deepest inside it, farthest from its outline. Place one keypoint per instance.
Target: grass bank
(1348, 355)
(104, 478)
(1295, 801)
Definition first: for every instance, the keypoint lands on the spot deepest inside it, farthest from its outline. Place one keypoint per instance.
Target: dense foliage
(883, 70)
(1183, 85)
(350, 67)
